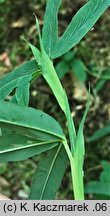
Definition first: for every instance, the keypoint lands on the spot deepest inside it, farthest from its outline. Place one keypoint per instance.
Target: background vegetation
(93, 53)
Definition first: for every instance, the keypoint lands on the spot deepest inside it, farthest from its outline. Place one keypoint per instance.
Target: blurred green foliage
(100, 189)
(71, 63)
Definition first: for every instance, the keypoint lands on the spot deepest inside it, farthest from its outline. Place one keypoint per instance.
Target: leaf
(48, 175)
(50, 27)
(99, 133)
(101, 187)
(38, 54)
(30, 122)
(53, 81)
(80, 150)
(62, 68)
(71, 126)
(96, 187)
(2, 1)
(81, 23)
(105, 174)
(79, 142)
(50, 75)
(20, 97)
(104, 75)
(79, 69)
(14, 147)
(10, 81)
(22, 91)
(69, 56)
(7, 89)
(100, 84)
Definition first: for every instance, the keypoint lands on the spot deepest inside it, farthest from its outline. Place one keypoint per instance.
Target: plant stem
(71, 127)
(77, 179)
(49, 73)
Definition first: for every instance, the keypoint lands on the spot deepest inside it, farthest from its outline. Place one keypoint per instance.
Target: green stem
(77, 180)
(49, 73)
(71, 127)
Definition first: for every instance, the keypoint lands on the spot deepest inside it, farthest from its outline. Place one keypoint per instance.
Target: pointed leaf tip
(22, 38)
(37, 22)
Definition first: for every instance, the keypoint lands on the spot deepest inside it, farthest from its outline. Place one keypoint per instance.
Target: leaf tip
(37, 22)
(22, 38)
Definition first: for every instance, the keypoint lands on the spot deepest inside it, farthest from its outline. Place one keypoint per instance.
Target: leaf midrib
(30, 146)
(31, 127)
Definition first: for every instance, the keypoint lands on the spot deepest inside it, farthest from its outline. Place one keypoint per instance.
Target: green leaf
(50, 75)
(22, 91)
(2, 1)
(29, 121)
(52, 79)
(100, 84)
(71, 126)
(48, 175)
(50, 27)
(104, 75)
(38, 54)
(69, 56)
(7, 89)
(101, 187)
(99, 133)
(79, 69)
(14, 147)
(95, 187)
(80, 151)
(62, 68)
(79, 142)
(105, 174)
(10, 81)
(81, 23)
(20, 97)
